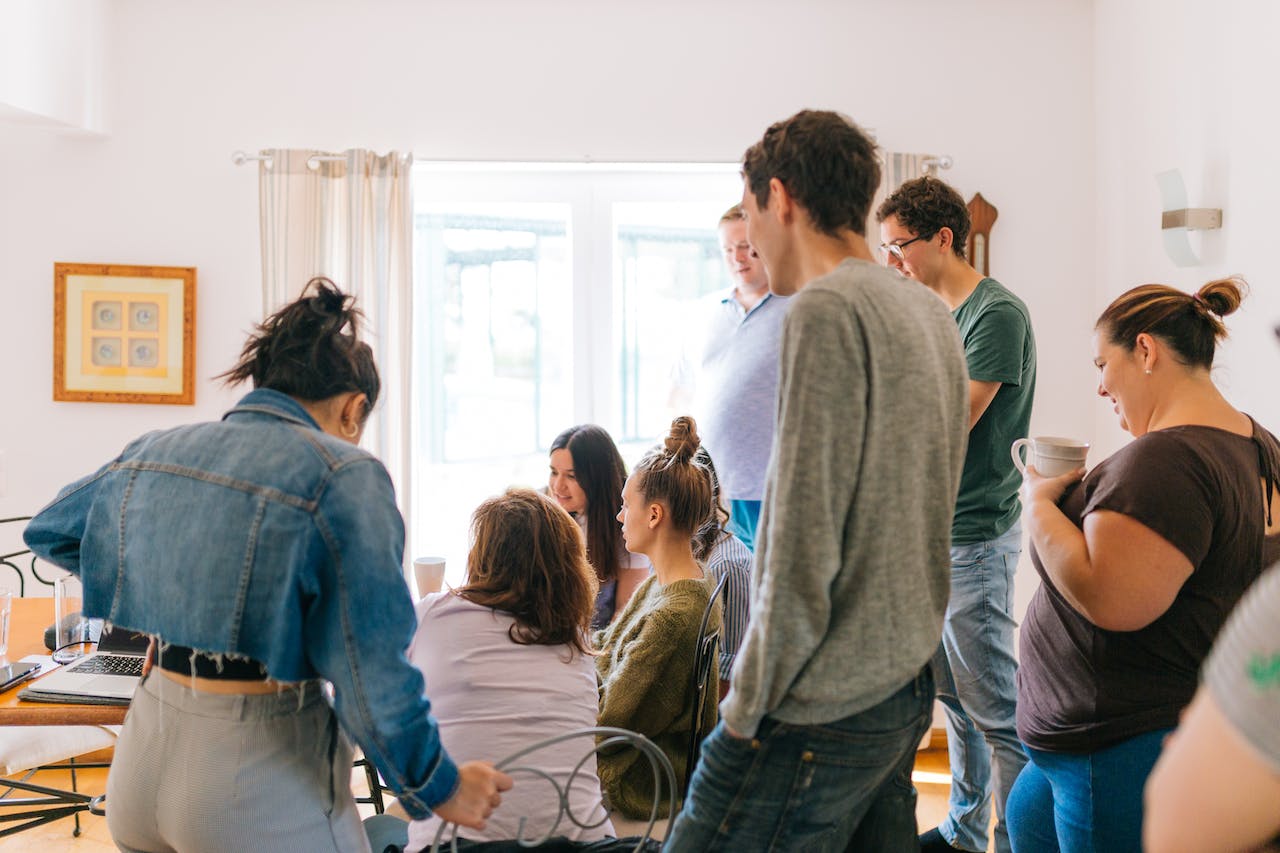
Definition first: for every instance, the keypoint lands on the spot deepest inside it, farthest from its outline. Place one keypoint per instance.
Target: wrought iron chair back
(706, 682)
(602, 737)
(12, 559)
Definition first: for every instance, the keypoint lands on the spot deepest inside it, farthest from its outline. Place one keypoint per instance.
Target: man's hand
(479, 792)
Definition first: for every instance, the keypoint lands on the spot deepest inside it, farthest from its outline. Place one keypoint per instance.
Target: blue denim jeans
(1089, 803)
(844, 785)
(978, 689)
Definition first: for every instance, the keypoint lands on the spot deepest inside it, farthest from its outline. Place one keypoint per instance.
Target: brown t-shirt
(1082, 688)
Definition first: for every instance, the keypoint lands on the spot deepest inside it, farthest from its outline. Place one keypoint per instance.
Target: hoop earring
(355, 430)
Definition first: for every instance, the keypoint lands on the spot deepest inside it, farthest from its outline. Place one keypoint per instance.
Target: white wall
(1190, 85)
(51, 63)
(1003, 86)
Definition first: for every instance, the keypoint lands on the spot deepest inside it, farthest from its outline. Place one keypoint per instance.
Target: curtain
(349, 217)
(896, 170)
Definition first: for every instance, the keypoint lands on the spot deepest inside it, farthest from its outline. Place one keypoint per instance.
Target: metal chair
(36, 748)
(663, 773)
(10, 558)
(706, 682)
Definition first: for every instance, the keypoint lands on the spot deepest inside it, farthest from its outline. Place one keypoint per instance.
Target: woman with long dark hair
(265, 553)
(725, 556)
(587, 473)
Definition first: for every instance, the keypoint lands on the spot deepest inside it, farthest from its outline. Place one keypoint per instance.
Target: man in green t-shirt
(924, 226)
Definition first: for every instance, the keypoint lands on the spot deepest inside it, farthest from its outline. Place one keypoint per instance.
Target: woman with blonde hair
(646, 656)
(508, 658)
(1140, 563)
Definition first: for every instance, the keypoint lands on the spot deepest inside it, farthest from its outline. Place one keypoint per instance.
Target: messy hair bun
(1191, 324)
(310, 349)
(682, 440)
(671, 476)
(1223, 296)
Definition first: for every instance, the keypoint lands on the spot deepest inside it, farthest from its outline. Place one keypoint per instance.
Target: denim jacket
(262, 536)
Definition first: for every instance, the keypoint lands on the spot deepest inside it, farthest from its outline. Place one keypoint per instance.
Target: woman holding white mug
(1140, 565)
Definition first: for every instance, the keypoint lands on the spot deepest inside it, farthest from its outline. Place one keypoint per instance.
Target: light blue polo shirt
(737, 390)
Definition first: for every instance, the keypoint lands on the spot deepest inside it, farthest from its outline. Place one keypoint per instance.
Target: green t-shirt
(999, 347)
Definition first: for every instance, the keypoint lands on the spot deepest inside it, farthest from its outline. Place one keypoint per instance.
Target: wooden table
(27, 622)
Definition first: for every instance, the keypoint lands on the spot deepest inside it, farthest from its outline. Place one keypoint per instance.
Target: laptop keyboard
(109, 665)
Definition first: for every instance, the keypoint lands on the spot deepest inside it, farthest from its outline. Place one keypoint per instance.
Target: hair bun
(1224, 295)
(682, 440)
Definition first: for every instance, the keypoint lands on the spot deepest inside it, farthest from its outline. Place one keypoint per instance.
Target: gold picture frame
(124, 334)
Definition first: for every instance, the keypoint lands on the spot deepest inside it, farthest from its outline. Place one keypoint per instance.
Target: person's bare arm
(1210, 791)
(980, 396)
(1118, 573)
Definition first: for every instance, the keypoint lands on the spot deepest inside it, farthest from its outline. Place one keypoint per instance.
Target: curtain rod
(313, 162)
(239, 158)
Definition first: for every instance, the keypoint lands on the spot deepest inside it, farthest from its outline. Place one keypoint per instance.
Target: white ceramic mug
(1052, 455)
(428, 574)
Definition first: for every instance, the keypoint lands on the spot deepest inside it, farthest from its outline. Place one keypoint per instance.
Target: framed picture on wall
(124, 334)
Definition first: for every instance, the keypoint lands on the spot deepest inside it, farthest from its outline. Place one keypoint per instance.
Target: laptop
(105, 677)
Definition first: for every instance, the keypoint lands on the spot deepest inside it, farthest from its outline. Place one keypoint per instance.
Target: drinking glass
(6, 607)
(72, 634)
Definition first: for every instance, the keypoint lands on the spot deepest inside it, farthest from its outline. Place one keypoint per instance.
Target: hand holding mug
(1053, 464)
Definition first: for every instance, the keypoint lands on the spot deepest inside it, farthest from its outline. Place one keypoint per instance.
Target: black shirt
(1204, 490)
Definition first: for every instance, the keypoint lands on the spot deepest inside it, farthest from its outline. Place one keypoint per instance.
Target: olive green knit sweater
(646, 670)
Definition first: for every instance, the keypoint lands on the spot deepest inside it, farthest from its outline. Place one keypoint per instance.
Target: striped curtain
(897, 169)
(349, 217)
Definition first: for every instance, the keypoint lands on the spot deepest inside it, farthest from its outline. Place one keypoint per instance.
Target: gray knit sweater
(851, 575)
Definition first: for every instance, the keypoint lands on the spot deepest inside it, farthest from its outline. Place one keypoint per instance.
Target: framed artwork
(124, 334)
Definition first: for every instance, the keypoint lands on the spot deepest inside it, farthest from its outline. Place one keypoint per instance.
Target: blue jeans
(978, 689)
(743, 518)
(1089, 803)
(388, 833)
(844, 785)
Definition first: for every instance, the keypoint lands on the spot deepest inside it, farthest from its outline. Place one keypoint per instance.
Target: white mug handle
(1017, 457)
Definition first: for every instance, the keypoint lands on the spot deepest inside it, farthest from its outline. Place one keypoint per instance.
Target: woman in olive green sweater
(646, 655)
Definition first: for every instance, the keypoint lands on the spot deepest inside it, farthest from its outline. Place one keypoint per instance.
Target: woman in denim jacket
(264, 553)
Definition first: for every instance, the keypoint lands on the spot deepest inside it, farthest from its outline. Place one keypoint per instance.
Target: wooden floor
(932, 781)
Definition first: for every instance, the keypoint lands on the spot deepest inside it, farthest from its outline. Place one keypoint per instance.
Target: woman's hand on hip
(479, 792)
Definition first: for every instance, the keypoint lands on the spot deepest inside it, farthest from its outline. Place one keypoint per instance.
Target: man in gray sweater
(832, 688)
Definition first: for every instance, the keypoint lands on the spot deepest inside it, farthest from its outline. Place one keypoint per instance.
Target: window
(546, 296)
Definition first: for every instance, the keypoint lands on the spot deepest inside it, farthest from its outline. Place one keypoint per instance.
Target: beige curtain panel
(896, 170)
(349, 217)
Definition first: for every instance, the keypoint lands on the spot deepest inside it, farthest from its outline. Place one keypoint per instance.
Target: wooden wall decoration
(982, 215)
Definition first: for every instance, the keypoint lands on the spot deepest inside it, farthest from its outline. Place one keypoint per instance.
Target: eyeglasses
(895, 249)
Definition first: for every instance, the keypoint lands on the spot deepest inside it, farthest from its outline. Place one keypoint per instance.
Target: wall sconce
(1177, 219)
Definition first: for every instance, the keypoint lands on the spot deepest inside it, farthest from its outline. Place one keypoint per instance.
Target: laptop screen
(121, 641)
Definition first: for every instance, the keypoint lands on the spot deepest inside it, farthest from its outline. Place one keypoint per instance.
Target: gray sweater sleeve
(1243, 670)
(822, 391)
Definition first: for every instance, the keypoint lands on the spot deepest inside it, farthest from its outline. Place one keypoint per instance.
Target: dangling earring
(355, 429)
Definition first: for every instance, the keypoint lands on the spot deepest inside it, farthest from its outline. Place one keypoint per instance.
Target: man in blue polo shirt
(737, 377)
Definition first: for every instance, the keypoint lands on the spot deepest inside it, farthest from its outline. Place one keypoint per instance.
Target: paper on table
(45, 661)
